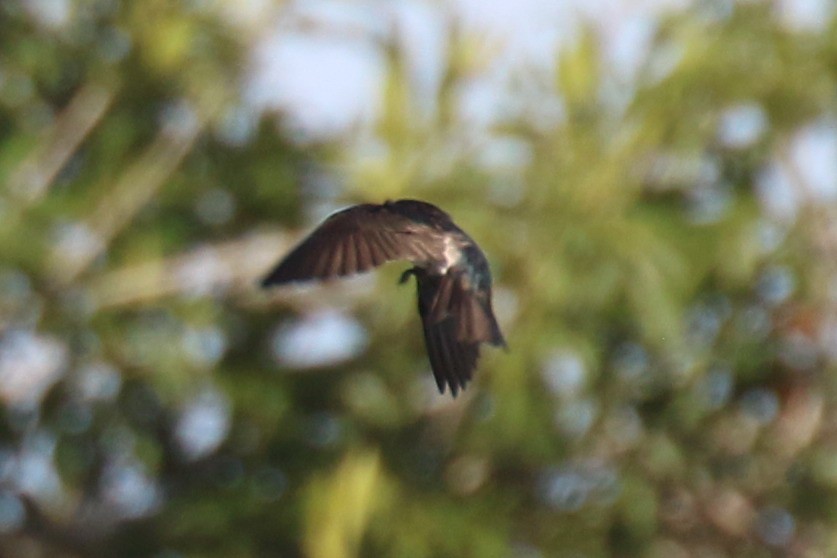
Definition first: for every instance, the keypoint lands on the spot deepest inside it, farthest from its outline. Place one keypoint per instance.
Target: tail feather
(451, 359)
(441, 305)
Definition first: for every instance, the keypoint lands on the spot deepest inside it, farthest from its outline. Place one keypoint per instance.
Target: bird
(452, 275)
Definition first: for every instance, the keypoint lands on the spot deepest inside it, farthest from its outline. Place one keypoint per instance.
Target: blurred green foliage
(669, 389)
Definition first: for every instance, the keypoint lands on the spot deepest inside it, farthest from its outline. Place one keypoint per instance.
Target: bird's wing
(452, 360)
(355, 240)
(470, 310)
(475, 319)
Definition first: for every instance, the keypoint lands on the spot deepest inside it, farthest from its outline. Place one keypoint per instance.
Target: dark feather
(357, 239)
(452, 275)
(451, 359)
(477, 323)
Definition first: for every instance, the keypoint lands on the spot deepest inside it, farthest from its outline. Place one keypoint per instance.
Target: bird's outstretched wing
(355, 240)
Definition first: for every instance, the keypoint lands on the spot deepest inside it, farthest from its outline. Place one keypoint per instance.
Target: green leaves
(339, 507)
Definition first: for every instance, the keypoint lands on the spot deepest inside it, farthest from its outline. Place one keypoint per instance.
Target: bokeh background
(654, 182)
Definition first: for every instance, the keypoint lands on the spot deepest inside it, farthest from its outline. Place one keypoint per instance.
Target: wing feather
(354, 240)
(465, 327)
(454, 360)
(344, 248)
(387, 242)
(377, 252)
(321, 264)
(475, 324)
(364, 255)
(440, 306)
(451, 359)
(337, 260)
(351, 243)
(438, 362)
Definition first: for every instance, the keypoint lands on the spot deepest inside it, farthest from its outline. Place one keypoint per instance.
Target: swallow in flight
(452, 275)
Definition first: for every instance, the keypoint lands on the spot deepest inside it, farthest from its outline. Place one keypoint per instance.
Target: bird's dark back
(424, 213)
(476, 266)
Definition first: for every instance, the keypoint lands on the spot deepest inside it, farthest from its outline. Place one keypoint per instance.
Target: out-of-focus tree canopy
(662, 230)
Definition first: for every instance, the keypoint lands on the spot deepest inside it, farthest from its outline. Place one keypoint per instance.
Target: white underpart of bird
(452, 253)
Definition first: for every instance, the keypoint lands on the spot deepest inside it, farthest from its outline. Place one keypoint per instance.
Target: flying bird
(451, 272)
